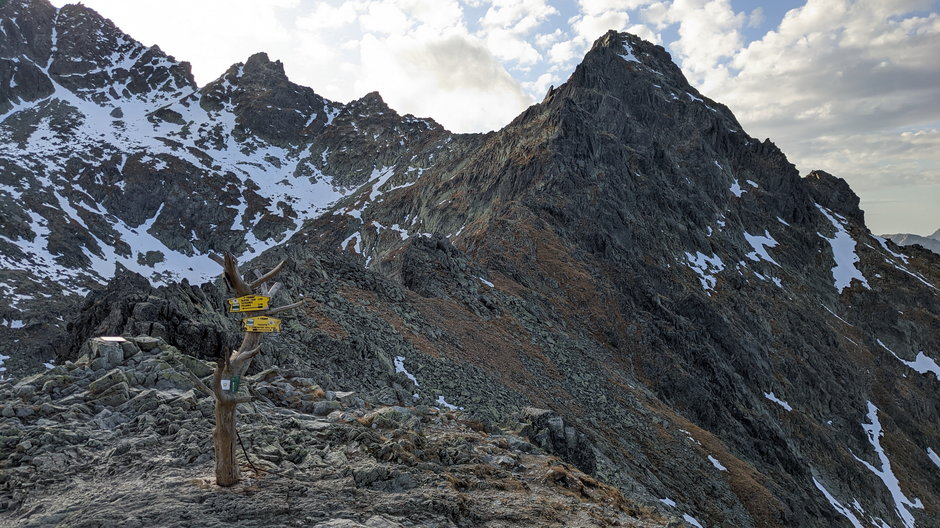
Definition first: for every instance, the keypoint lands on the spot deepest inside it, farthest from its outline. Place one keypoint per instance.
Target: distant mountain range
(722, 339)
(931, 242)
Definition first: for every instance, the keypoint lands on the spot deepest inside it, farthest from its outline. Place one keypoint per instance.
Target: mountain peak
(640, 55)
(260, 63)
(834, 193)
(266, 101)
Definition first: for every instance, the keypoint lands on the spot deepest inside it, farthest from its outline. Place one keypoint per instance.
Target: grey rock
(383, 479)
(102, 384)
(322, 408)
(147, 343)
(114, 395)
(25, 391)
(348, 398)
(392, 417)
(107, 354)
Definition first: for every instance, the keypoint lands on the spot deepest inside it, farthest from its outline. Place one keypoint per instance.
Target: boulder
(325, 407)
(110, 353)
(382, 478)
(102, 384)
(348, 399)
(115, 395)
(147, 343)
(392, 417)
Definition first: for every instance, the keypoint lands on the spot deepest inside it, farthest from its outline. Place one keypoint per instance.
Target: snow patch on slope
(628, 55)
(441, 402)
(759, 244)
(902, 504)
(400, 368)
(718, 465)
(257, 165)
(922, 363)
(933, 457)
(847, 513)
(770, 396)
(843, 251)
(706, 267)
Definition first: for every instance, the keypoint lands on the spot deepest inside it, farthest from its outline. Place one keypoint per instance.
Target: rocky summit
(619, 309)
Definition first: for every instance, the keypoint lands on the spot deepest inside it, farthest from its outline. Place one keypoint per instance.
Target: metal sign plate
(262, 324)
(248, 303)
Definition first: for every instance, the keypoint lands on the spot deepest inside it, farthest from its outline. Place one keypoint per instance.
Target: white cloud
(507, 27)
(452, 78)
(509, 47)
(385, 18)
(519, 16)
(756, 18)
(644, 32)
(545, 40)
(597, 7)
(563, 52)
(709, 32)
(326, 15)
(538, 88)
(590, 27)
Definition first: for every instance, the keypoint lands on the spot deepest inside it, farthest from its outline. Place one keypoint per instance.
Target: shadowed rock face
(700, 323)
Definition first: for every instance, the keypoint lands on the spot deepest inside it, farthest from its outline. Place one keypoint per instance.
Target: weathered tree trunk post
(233, 365)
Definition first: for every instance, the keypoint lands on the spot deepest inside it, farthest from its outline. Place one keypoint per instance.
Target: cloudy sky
(848, 86)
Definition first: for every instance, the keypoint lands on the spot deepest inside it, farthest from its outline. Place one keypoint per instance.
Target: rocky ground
(122, 437)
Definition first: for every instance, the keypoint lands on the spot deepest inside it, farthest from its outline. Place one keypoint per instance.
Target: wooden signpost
(252, 297)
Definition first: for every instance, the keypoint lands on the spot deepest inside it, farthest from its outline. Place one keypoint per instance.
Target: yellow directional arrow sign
(248, 303)
(262, 324)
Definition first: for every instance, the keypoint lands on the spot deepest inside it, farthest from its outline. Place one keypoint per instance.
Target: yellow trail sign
(248, 303)
(262, 324)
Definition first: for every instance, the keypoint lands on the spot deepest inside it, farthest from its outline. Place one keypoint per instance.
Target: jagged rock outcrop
(726, 338)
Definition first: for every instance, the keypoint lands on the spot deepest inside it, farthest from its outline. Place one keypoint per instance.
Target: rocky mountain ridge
(716, 333)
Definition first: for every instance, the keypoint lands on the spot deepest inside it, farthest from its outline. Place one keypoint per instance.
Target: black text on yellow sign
(262, 324)
(248, 303)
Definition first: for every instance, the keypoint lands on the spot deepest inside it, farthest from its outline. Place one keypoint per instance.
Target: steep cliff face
(719, 337)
